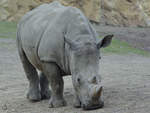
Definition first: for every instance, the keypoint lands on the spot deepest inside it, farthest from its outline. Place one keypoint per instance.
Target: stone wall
(126, 12)
(109, 12)
(12, 10)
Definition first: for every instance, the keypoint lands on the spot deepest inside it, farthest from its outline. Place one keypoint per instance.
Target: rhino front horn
(98, 91)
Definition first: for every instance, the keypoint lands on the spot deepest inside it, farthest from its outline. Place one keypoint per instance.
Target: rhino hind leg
(32, 76)
(44, 84)
(52, 71)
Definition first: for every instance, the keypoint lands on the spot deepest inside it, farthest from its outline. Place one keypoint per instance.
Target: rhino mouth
(100, 105)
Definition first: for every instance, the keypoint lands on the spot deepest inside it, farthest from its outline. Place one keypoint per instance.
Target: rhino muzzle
(96, 102)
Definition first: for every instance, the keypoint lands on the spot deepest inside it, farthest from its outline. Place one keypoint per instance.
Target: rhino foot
(77, 103)
(34, 95)
(46, 94)
(53, 103)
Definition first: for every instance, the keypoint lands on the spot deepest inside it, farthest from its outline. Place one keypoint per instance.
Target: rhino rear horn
(92, 80)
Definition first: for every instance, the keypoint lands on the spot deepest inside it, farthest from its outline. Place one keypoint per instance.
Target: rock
(111, 12)
(4, 107)
(91, 8)
(4, 14)
(13, 110)
(125, 12)
(13, 10)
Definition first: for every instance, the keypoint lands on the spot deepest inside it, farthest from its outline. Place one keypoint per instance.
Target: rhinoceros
(59, 40)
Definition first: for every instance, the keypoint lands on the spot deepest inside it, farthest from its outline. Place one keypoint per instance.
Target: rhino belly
(30, 50)
(30, 39)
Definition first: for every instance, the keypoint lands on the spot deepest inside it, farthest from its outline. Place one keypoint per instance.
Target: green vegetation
(122, 47)
(7, 29)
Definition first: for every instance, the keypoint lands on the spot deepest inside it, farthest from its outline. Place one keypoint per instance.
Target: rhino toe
(53, 103)
(77, 103)
(46, 94)
(34, 96)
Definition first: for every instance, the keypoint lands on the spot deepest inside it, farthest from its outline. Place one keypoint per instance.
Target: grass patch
(8, 29)
(122, 47)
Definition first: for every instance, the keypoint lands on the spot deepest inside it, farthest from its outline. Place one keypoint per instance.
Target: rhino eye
(99, 57)
(78, 80)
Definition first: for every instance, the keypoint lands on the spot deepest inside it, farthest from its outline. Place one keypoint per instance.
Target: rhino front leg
(31, 73)
(55, 79)
(77, 103)
(44, 84)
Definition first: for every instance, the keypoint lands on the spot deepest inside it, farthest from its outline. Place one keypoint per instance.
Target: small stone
(13, 110)
(4, 107)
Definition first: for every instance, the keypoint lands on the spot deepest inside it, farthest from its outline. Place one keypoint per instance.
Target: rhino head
(84, 65)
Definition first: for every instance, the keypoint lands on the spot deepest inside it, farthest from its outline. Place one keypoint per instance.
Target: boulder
(108, 12)
(91, 8)
(125, 12)
(13, 10)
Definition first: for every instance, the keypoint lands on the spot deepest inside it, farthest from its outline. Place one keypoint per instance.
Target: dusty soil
(136, 37)
(126, 80)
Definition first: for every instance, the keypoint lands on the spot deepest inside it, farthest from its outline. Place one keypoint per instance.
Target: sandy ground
(137, 37)
(126, 82)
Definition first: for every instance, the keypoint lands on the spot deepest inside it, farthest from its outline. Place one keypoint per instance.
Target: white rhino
(59, 41)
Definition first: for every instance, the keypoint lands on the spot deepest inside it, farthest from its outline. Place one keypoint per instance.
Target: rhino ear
(105, 41)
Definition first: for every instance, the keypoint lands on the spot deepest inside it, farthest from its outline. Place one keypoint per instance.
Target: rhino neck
(77, 27)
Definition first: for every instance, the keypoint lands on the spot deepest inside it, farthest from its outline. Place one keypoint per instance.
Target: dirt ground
(137, 37)
(126, 80)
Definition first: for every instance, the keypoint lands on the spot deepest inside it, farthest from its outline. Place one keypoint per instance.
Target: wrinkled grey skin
(59, 41)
